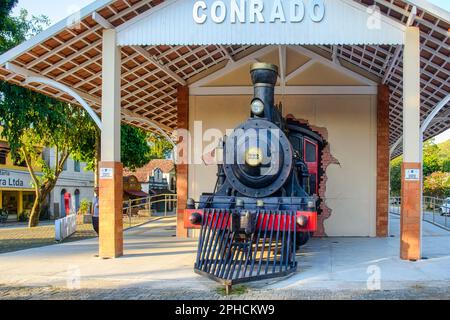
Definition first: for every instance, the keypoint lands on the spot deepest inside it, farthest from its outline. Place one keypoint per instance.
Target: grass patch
(236, 291)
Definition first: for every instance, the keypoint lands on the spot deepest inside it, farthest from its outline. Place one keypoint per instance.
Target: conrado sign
(258, 11)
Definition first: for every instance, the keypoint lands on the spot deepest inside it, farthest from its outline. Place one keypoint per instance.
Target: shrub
(437, 184)
(85, 207)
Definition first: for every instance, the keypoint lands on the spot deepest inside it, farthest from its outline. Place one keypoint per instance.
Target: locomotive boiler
(264, 206)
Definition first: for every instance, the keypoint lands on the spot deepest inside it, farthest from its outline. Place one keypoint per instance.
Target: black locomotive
(264, 206)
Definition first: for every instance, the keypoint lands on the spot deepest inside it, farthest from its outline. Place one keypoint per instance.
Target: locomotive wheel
(302, 238)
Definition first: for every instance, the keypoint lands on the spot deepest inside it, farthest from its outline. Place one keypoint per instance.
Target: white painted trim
(83, 96)
(426, 123)
(102, 21)
(383, 18)
(431, 8)
(315, 58)
(163, 68)
(232, 66)
(70, 92)
(151, 124)
(412, 17)
(31, 77)
(434, 113)
(145, 15)
(288, 90)
(50, 32)
(300, 70)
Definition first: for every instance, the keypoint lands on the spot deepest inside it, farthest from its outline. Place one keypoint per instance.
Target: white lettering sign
(106, 173)
(15, 179)
(234, 11)
(412, 175)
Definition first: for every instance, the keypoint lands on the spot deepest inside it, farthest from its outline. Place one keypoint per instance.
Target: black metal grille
(231, 256)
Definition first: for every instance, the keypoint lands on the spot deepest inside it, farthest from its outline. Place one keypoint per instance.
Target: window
(65, 165)
(3, 156)
(19, 163)
(158, 174)
(77, 166)
(310, 152)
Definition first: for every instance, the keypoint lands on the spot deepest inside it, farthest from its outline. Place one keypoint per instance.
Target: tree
(431, 161)
(32, 121)
(15, 30)
(135, 148)
(437, 184)
(160, 148)
(396, 176)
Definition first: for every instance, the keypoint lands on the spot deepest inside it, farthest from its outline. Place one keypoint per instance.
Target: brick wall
(383, 158)
(182, 169)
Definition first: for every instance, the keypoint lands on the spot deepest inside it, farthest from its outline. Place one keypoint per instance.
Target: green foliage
(437, 184)
(85, 206)
(160, 148)
(15, 30)
(135, 148)
(431, 162)
(396, 176)
(31, 121)
(436, 163)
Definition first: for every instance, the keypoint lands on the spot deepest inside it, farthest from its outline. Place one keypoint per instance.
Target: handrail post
(165, 205)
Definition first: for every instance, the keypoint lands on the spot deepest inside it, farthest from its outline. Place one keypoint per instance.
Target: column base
(111, 210)
(411, 214)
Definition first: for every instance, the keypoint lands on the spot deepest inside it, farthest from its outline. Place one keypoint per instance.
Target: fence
(138, 211)
(435, 210)
(65, 227)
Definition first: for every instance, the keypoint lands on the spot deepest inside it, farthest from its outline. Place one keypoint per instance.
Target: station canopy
(70, 53)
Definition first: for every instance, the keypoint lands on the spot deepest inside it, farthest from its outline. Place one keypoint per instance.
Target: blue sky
(58, 10)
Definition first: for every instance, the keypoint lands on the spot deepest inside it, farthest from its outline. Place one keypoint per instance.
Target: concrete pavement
(156, 263)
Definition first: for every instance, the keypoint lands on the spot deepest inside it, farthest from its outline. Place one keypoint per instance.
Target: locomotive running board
(229, 257)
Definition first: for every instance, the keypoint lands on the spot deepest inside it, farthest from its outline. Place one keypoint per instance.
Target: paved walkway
(157, 265)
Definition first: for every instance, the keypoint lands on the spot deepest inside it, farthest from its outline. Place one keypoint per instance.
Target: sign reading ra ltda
(14, 179)
(258, 11)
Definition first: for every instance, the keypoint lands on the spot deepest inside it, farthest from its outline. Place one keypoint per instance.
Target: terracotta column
(383, 161)
(411, 213)
(182, 168)
(111, 170)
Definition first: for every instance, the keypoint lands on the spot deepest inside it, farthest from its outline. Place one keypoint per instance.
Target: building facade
(74, 185)
(16, 191)
(371, 79)
(157, 176)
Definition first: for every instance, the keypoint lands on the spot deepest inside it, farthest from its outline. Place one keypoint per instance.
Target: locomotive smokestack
(264, 77)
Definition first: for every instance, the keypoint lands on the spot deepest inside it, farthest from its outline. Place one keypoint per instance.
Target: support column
(111, 170)
(411, 213)
(182, 168)
(383, 160)
(19, 203)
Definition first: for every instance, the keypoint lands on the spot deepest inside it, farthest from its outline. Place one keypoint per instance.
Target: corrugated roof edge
(99, 4)
(50, 32)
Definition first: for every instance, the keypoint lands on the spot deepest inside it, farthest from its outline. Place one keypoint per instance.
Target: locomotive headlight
(311, 204)
(257, 107)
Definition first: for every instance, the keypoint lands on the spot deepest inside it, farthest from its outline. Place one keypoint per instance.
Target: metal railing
(138, 211)
(434, 210)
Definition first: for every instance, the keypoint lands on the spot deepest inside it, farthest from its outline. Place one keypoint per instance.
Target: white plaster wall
(351, 124)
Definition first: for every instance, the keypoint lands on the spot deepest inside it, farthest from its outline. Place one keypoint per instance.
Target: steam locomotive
(264, 206)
